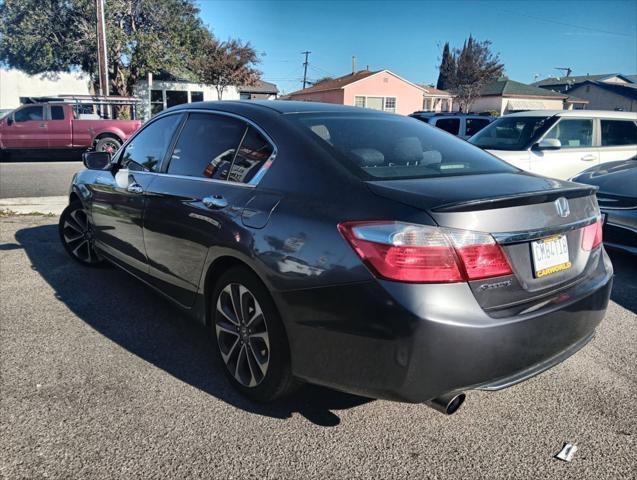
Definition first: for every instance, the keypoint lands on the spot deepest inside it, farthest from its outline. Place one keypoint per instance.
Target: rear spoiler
(527, 198)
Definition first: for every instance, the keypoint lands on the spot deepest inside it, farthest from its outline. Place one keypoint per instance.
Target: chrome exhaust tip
(447, 404)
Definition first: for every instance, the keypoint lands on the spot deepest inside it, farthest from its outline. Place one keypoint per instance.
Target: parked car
(62, 125)
(560, 143)
(347, 247)
(617, 197)
(460, 125)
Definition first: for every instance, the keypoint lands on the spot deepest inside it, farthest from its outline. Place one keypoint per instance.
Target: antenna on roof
(568, 70)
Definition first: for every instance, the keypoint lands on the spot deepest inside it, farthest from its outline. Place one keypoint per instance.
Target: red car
(64, 125)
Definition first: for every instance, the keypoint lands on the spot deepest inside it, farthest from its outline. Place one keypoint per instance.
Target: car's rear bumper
(416, 342)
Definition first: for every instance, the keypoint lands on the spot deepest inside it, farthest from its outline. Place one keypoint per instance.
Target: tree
(475, 66)
(321, 80)
(446, 77)
(225, 63)
(60, 35)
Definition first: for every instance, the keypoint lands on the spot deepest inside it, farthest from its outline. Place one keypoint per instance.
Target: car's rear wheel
(76, 234)
(250, 337)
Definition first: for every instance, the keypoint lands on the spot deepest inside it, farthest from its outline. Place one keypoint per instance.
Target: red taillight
(592, 236)
(423, 254)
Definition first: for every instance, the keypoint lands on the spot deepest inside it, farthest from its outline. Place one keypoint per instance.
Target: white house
(16, 83)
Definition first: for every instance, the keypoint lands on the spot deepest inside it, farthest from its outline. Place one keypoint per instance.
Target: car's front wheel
(250, 337)
(76, 234)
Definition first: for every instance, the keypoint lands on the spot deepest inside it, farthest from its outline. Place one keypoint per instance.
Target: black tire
(108, 144)
(249, 346)
(76, 235)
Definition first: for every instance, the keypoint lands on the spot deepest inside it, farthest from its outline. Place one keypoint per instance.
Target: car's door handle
(589, 158)
(215, 202)
(135, 188)
(43, 125)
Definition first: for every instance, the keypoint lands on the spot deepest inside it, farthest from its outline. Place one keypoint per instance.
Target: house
(564, 84)
(379, 90)
(506, 96)
(16, 84)
(607, 96)
(259, 91)
(164, 90)
(436, 100)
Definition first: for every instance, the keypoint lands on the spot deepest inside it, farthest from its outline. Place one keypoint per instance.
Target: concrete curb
(34, 205)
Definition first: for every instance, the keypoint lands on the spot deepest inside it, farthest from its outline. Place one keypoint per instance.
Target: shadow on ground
(132, 315)
(625, 281)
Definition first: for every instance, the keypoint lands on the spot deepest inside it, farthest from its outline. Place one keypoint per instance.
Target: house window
(359, 102)
(390, 104)
(176, 97)
(196, 96)
(426, 104)
(156, 101)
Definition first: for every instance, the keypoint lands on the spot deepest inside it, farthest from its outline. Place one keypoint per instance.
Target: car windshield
(387, 146)
(512, 133)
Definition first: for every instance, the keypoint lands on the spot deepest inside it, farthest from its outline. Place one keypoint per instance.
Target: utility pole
(102, 60)
(306, 53)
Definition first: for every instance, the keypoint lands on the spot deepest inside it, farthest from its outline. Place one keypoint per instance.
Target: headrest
(407, 150)
(368, 157)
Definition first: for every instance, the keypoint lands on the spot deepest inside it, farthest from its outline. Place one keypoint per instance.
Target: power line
(564, 24)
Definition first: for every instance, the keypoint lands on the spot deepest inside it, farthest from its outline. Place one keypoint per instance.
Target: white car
(560, 143)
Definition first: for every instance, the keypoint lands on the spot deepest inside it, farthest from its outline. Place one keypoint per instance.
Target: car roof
(280, 106)
(576, 113)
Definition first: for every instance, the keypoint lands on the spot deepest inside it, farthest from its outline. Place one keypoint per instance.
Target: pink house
(380, 90)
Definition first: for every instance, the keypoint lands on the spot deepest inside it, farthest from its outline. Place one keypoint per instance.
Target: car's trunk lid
(517, 209)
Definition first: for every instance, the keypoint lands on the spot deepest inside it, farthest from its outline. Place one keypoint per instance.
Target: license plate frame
(550, 255)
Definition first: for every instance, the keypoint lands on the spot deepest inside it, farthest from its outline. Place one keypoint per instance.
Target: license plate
(550, 255)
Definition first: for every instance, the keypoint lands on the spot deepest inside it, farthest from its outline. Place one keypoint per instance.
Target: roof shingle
(337, 83)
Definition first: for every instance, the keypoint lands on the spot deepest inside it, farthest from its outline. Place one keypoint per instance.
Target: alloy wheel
(242, 335)
(109, 146)
(78, 236)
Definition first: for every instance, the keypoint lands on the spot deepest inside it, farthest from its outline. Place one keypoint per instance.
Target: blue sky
(532, 37)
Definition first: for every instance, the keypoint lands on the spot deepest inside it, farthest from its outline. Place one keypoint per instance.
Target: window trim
(595, 133)
(384, 97)
(48, 115)
(43, 119)
(599, 131)
(163, 169)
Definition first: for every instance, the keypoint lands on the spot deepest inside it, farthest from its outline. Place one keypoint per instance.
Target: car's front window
(391, 147)
(512, 133)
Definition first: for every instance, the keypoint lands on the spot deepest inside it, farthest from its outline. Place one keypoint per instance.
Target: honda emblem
(561, 205)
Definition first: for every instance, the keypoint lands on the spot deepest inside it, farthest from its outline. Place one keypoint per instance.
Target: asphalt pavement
(36, 179)
(102, 378)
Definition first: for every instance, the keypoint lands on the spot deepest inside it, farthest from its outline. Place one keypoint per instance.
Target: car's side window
(618, 132)
(253, 153)
(207, 145)
(147, 149)
(29, 114)
(57, 112)
(451, 125)
(573, 132)
(474, 125)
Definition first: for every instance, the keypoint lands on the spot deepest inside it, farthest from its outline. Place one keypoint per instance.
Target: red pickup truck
(49, 126)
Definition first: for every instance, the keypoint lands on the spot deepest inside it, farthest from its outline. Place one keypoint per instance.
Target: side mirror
(97, 160)
(548, 144)
(9, 121)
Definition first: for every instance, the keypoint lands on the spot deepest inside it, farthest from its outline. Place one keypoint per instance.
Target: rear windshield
(512, 133)
(390, 147)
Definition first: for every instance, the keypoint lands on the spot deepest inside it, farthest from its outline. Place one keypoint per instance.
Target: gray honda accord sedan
(355, 249)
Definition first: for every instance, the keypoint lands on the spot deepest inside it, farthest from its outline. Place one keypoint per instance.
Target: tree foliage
(225, 63)
(446, 77)
(143, 36)
(473, 66)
